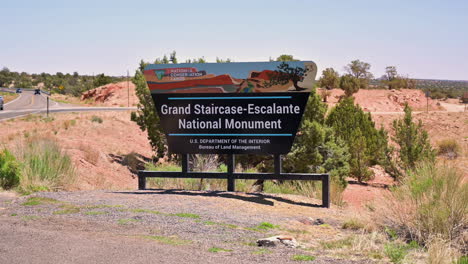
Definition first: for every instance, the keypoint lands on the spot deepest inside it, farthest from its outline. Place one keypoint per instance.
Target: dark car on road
(37, 91)
(1, 102)
(19, 90)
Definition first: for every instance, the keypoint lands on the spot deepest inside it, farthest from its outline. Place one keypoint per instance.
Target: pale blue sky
(424, 39)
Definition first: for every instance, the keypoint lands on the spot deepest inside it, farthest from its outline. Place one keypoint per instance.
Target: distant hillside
(438, 88)
(442, 84)
(443, 88)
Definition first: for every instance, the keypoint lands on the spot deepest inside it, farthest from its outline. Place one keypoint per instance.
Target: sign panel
(231, 108)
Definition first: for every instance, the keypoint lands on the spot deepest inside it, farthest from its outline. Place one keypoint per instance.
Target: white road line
(56, 104)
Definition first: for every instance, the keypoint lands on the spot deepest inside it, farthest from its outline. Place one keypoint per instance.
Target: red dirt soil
(113, 94)
(386, 100)
(96, 149)
(440, 126)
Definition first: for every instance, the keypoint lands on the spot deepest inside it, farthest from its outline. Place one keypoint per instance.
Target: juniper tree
(146, 116)
(412, 140)
(360, 70)
(316, 147)
(330, 79)
(367, 144)
(349, 84)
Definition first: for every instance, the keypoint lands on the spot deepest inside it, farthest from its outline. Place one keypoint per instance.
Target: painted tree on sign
(285, 74)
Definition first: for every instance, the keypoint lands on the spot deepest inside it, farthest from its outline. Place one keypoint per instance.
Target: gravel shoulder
(161, 226)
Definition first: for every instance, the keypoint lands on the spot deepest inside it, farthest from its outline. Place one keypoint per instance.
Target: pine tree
(330, 79)
(413, 141)
(316, 147)
(146, 116)
(349, 84)
(367, 144)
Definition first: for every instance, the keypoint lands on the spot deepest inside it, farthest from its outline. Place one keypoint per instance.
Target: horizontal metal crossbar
(237, 176)
(231, 176)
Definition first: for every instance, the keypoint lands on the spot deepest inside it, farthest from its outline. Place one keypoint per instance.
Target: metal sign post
(128, 89)
(428, 94)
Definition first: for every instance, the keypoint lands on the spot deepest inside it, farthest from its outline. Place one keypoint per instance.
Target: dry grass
(68, 123)
(449, 148)
(431, 202)
(45, 165)
(90, 154)
(116, 135)
(441, 252)
(353, 224)
(336, 194)
(8, 97)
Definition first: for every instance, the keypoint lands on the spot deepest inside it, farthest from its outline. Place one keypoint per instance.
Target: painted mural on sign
(231, 108)
(251, 77)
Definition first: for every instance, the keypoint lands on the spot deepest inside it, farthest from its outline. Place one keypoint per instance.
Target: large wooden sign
(231, 108)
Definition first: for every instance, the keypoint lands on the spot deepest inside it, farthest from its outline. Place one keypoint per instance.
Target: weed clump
(187, 215)
(39, 200)
(125, 221)
(217, 249)
(174, 241)
(353, 224)
(303, 258)
(397, 252)
(10, 171)
(46, 166)
(266, 226)
(96, 119)
(431, 202)
(448, 148)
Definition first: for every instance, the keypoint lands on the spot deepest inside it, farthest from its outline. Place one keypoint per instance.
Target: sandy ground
(121, 94)
(97, 149)
(147, 226)
(386, 100)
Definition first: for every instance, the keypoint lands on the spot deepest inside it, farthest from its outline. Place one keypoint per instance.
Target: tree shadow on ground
(259, 198)
(372, 184)
(133, 161)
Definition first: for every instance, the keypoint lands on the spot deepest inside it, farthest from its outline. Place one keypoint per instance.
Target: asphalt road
(29, 103)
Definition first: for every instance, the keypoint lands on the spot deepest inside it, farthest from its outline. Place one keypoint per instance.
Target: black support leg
(185, 162)
(141, 181)
(230, 166)
(278, 164)
(326, 191)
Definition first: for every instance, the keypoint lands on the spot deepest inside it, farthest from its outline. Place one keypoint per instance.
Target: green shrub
(187, 215)
(367, 145)
(413, 141)
(146, 116)
(349, 84)
(266, 226)
(96, 119)
(462, 260)
(449, 148)
(353, 224)
(217, 249)
(395, 252)
(46, 166)
(171, 240)
(40, 200)
(10, 170)
(316, 149)
(431, 202)
(303, 258)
